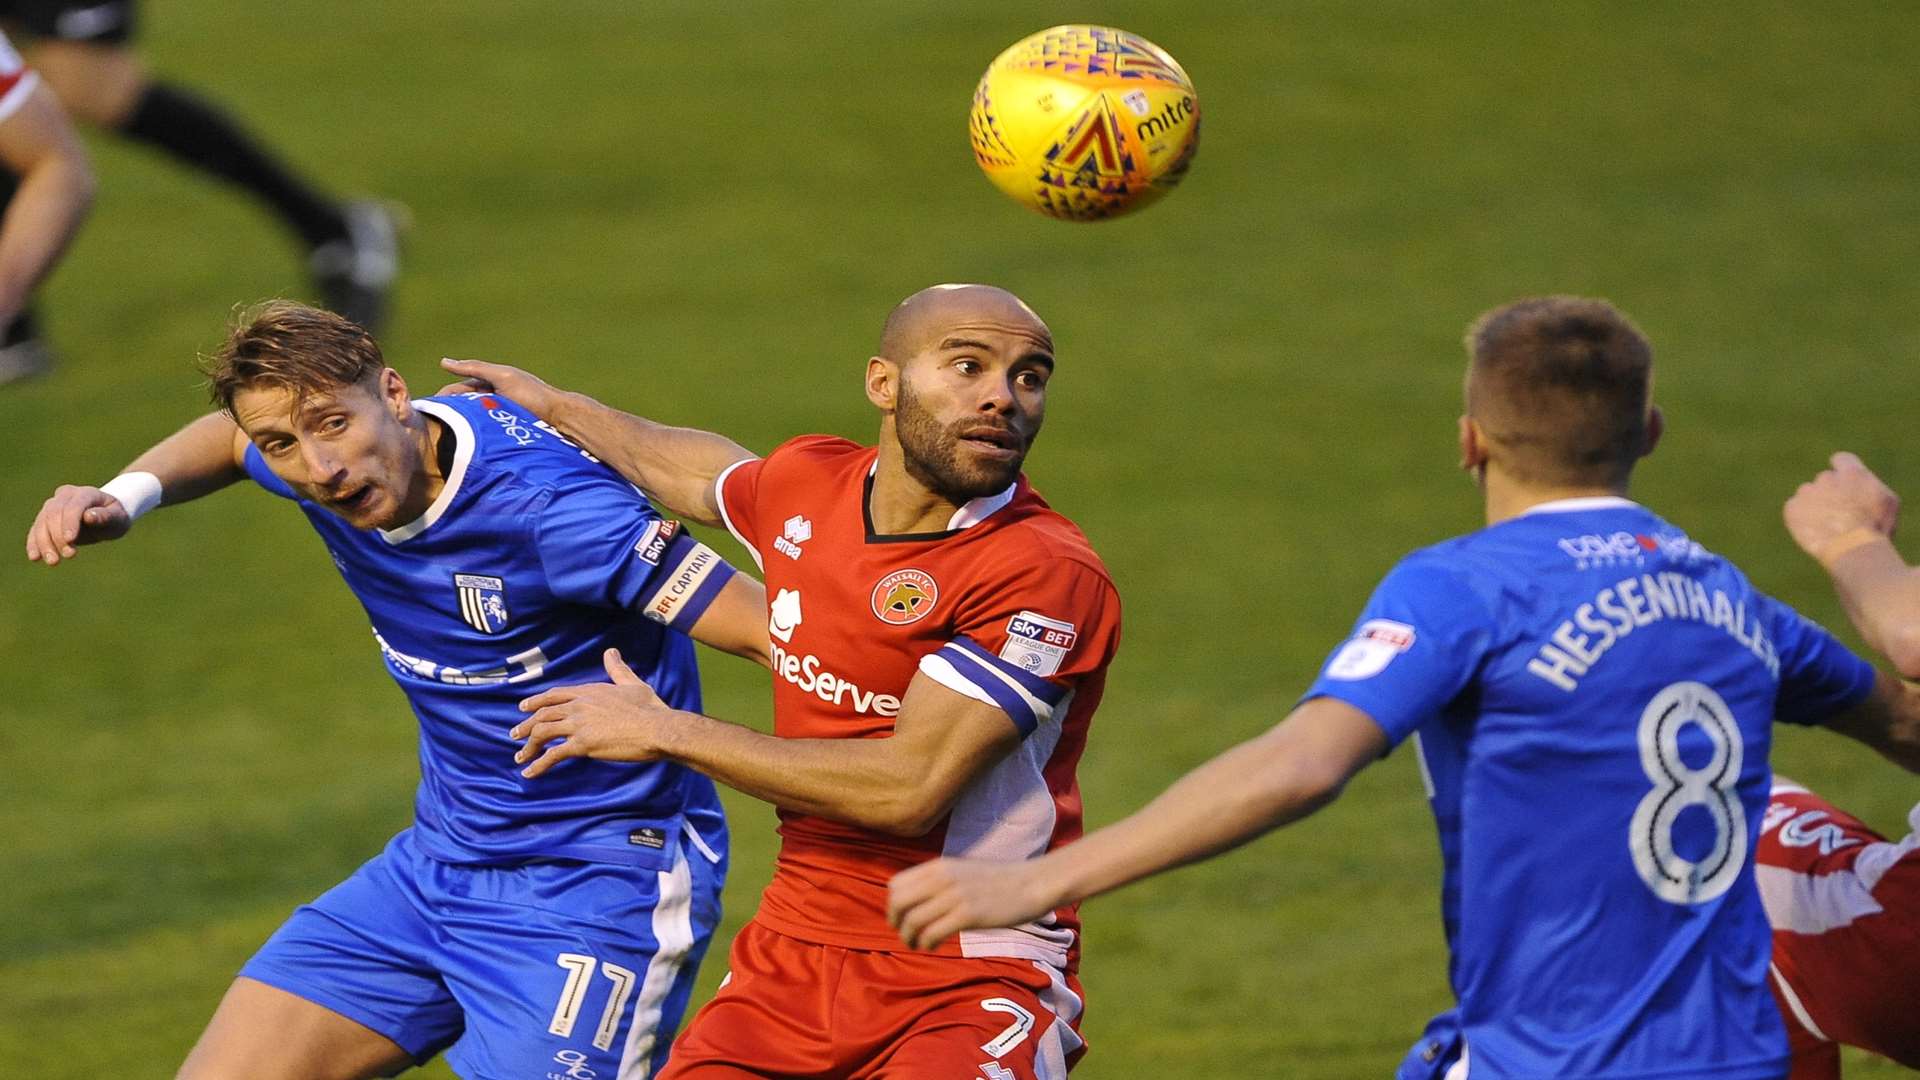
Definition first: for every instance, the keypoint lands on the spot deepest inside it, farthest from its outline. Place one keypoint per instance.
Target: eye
(333, 425)
(277, 447)
(967, 365)
(1032, 380)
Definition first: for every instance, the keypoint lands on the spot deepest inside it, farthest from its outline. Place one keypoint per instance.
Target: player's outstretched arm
(736, 621)
(202, 457)
(39, 146)
(1278, 777)
(1845, 518)
(1888, 720)
(902, 784)
(675, 466)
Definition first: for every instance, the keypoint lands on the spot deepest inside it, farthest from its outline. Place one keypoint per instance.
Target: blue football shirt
(534, 558)
(1592, 696)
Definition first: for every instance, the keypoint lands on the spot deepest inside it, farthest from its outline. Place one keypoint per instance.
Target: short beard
(931, 454)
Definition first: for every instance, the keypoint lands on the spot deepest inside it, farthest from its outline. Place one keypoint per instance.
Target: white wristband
(139, 492)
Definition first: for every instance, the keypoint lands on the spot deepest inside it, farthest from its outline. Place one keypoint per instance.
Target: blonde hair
(291, 346)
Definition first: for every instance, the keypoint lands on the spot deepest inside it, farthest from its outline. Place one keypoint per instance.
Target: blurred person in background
(51, 188)
(83, 50)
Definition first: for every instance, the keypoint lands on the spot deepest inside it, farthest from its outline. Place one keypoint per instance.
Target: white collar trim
(463, 442)
(975, 511)
(1586, 502)
(980, 509)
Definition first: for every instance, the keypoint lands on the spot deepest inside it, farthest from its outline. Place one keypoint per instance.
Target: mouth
(993, 442)
(352, 501)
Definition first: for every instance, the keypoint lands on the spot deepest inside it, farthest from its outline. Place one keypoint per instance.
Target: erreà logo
(904, 596)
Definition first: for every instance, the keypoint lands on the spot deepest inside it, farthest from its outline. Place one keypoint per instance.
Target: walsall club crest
(483, 602)
(905, 596)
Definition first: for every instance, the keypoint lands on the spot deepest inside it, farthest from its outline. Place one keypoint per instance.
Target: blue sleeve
(602, 544)
(257, 468)
(1818, 676)
(1415, 647)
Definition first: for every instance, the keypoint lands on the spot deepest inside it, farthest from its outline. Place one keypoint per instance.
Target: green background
(702, 212)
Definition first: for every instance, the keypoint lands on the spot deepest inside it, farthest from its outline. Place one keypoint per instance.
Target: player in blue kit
(1590, 694)
(530, 928)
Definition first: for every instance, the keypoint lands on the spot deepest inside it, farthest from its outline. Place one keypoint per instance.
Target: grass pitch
(702, 213)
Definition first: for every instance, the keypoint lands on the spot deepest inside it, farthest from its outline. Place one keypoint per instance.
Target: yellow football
(1085, 122)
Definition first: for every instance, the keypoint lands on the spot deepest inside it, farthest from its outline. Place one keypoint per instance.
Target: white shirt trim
(975, 511)
(720, 501)
(980, 509)
(17, 96)
(1585, 502)
(1793, 1003)
(463, 443)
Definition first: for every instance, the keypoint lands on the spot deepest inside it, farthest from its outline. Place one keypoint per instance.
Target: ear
(1473, 446)
(883, 383)
(393, 394)
(1656, 427)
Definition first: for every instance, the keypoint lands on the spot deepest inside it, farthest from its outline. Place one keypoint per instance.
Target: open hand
(526, 389)
(932, 902)
(614, 721)
(72, 517)
(1841, 508)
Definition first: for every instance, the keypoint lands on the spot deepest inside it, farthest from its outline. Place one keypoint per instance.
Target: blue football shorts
(569, 968)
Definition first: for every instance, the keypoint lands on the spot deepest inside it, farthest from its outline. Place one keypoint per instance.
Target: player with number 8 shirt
(1590, 694)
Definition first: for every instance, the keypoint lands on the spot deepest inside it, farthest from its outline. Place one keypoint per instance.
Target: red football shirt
(1008, 605)
(16, 80)
(1844, 903)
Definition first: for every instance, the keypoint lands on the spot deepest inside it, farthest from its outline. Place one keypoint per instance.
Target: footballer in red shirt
(1844, 903)
(940, 641)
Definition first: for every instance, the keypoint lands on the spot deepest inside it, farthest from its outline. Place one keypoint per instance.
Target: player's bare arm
(1845, 519)
(56, 189)
(1888, 720)
(675, 466)
(901, 785)
(200, 458)
(736, 621)
(1275, 778)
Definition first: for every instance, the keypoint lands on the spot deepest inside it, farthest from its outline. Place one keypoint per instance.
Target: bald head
(922, 321)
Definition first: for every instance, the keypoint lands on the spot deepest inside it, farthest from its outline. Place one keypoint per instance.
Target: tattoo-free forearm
(200, 458)
(675, 466)
(1268, 781)
(1881, 594)
(865, 782)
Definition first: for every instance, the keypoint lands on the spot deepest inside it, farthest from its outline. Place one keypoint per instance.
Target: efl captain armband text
(690, 575)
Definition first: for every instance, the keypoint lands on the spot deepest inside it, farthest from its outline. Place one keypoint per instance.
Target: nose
(323, 469)
(996, 396)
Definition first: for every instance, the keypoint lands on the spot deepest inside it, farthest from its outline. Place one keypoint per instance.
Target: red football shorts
(792, 1009)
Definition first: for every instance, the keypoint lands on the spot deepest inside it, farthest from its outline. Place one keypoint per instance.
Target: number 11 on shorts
(573, 997)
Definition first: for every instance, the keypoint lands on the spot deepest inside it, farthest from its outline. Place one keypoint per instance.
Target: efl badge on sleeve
(483, 602)
(1368, 652)
(1037, 643)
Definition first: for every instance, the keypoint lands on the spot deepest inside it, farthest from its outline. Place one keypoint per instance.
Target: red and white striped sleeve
(16, 79)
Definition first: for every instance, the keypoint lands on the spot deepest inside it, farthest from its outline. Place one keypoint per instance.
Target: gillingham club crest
(905, 596)
(483, 602)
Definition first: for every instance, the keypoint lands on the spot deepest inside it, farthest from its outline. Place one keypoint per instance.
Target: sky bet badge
(483, 602)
